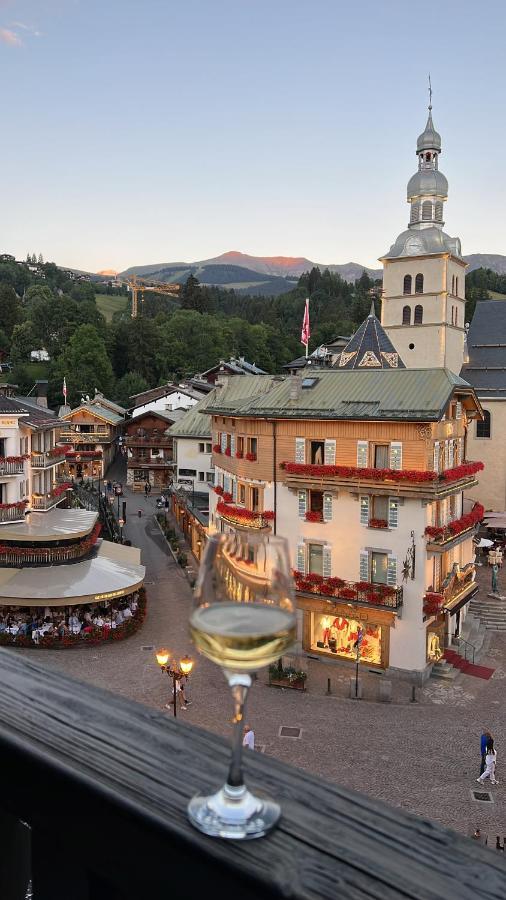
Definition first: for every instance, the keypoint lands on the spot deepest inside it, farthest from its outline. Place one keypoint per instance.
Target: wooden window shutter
(436, 456)
(364, 510)
(393, 512)
(396, 455)
(450, 454)
(330, 453)
(301, 558)
(392, 571)
(223, 441)
(234, 490)
(458, 410)
(327, 561)
(327, 507)
(364, 565)
(302, 495)
(300, 450)
(362, 454)
(232, 444)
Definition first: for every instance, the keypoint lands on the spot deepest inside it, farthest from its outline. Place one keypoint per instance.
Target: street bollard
(413, 693)
(328, 686)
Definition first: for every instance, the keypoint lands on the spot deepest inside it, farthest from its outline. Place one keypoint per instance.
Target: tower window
(407, 286)
(427, 211)
(418, 319)
(427, 157)
(483, 428)
(439, 211)
(406, 315)
(453, 284)
(456, 287)
(419, 284)
(415, 212)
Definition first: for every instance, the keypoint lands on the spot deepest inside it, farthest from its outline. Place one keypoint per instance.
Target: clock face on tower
(413, 246)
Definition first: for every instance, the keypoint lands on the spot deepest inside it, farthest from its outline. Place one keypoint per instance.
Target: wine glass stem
(240, 685)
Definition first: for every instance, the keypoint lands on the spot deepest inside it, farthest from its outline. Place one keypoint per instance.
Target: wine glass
(243, 619)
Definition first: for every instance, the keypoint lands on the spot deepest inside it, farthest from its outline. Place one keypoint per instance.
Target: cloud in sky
(9, 37)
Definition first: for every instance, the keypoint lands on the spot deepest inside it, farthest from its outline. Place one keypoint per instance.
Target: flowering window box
(251, 457)
(239, 454)
(314, 516)
(227, 497)
(364, 473)
(216, 448)
(440, 534)
(228, 451)
(218, 490)
(378, 523)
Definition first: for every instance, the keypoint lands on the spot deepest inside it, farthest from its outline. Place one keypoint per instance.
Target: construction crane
(140, 286)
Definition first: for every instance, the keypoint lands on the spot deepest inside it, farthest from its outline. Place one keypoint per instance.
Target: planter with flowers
(378, 523)
(251, 457)
(288, 677)
(313, 515)
(216, 448)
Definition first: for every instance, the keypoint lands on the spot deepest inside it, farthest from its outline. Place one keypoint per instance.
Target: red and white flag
(306, 330)
(65, 389)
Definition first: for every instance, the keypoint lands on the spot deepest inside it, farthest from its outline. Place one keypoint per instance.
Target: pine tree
(41, 259)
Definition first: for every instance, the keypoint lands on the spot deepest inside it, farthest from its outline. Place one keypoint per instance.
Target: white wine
(242, 636)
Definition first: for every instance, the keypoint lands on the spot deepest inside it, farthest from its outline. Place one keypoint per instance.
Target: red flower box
(216, 448)
(458, 526)
(218, 490)
(239, 454)
(314, 516)
(228, 451)
(335, 582)
(378, 523)
(269, 515)
(251, 457)
(313, 578)
(227, 497)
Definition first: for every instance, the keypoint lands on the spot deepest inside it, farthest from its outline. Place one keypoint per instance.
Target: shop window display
(337, 635)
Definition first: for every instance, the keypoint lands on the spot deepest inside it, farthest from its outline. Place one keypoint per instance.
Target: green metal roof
(239, 390)
(389, 394)
(101, 411)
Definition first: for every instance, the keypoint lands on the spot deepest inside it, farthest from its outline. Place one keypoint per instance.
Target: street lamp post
(185, 667)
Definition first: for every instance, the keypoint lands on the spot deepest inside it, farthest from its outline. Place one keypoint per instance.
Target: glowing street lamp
(185, 667)
(162, 657)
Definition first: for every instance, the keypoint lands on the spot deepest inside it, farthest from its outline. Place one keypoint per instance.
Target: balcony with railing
(115, 777)
(43, 502)
(423, 483)
(360, 593)
(98, 435)
(149, 439)
(149, 462)
(443, 537)
(46, 459)
(12, 512)
(12, 465)
(457, 588)
(242, 518)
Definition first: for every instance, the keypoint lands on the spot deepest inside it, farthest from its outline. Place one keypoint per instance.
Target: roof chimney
(295, 387)
(41, 388)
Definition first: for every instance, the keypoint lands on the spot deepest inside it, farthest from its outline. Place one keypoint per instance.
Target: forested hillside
(44, 309)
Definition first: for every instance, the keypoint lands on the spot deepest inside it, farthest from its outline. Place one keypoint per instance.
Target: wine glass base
(233, 813)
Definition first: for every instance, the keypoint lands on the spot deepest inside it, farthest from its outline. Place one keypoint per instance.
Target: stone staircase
(490, 610)
(473, 634)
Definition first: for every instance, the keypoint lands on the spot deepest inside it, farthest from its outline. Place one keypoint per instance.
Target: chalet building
(363, 470)
(485, 370)
(193, 448)
(30, 459)
(90, 434)
(149, 447)
(234, 366)
(166, 399)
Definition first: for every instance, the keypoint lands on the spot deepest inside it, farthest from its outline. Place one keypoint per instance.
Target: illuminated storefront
(330, 630)
(337, 635)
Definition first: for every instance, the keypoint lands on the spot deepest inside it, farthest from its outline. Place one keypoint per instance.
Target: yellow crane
(140, 286)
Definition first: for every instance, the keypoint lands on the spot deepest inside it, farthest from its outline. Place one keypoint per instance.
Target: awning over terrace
(56, 525)
(113, 572)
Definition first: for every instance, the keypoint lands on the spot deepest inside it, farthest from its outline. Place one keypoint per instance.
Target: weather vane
(430, 93)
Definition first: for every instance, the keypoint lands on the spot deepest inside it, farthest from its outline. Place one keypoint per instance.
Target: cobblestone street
(421, 756)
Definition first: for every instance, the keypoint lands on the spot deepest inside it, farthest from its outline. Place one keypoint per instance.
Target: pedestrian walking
(485, 737)
(146, 489)
(249, 738)
(181, 697)
(490, 762)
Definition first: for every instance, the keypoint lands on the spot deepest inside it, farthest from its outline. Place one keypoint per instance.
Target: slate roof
(379, 394)
(486, 343)
(235, 367)
(32, 415)
(370, 348)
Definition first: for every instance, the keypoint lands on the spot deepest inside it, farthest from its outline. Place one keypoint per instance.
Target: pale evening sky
(156, 131)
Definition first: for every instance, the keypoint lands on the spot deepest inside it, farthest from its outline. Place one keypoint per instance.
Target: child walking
(490, 761)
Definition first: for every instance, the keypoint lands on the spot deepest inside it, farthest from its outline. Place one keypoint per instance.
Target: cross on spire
(430, 93)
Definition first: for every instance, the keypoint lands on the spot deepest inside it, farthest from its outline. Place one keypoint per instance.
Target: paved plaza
(423, 756)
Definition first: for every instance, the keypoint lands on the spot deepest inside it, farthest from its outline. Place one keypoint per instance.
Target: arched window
(427, 157)
(439, 211)
(418, 314)
(483, 428)
(427, 211)
(419, 284)
(407, 285)
(406, 315)
(456, 287)
(415, 212)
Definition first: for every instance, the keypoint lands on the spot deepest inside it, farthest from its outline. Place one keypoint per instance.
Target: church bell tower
(423, 304)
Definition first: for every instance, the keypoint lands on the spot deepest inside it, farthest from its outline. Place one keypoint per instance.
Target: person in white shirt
(490, 761)
(119, 618)
(249, 738)
(127, 613)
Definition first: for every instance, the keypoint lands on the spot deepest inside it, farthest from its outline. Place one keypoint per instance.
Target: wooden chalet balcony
(10, 467)
(147, 462)
(148, 440)
(403, 483)
(93, 807)
(67, 436)
(440, 539)
(47, 459)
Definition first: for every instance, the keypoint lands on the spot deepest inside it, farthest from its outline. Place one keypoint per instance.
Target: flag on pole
(65, 389)
(306, 330)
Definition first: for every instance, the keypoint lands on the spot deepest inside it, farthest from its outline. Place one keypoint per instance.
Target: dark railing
(148, 440)
(361, 592)
(94, 808)
(154, 462)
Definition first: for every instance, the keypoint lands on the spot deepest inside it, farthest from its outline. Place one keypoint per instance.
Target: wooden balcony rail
(149, 462)
(446, 533)
(50, 498)
(364, 593)
(12, 512)
(94, 808)
(148, 440)
(10, 467)
(47, 458)
(84, 437)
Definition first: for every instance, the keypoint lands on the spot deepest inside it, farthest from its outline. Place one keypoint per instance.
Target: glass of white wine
(243, 619)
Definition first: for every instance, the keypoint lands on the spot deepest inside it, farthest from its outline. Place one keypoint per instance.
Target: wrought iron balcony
(361, 593)
(115, 777)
